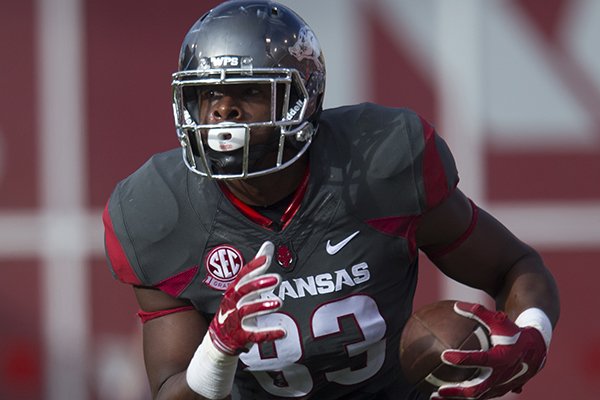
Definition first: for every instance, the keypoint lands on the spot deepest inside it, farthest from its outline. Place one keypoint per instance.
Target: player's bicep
(169, 340)
(469, 245)
(442, 226)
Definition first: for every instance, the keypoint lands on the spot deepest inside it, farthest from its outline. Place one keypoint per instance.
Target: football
(428, 332)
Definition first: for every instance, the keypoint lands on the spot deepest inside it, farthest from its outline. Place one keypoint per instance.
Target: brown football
(428, 332)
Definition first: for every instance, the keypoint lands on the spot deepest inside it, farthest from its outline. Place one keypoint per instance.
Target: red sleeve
(439, 171)
(117, 258)
(454, 245)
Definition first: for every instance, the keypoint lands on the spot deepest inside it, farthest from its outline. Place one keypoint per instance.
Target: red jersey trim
(245, 209)
(260, 219)
(296, 201)
(115, 252)
(404, 227)
(454, 245)
(434, 175)
(176, 284)
(146, 316)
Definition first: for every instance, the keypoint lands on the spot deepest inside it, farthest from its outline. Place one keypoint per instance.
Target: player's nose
(226, 109)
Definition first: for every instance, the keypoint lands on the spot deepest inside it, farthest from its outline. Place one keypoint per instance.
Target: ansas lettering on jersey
(328, 282)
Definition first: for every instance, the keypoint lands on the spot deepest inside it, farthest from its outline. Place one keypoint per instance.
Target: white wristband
(537, 319)
(211, 372)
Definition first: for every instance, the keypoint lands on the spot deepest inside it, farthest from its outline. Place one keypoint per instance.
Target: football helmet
(242, 42)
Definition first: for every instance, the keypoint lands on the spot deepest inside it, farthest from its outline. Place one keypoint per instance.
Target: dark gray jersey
(347, 257)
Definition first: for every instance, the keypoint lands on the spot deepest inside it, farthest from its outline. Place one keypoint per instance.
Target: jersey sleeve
(439, 176)
(116, 240)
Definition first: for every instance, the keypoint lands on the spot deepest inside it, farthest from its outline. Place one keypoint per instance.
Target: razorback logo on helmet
(223, 264)
(307, 46)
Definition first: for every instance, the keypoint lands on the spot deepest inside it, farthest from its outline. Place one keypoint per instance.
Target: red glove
(233, 328)
(516, 355)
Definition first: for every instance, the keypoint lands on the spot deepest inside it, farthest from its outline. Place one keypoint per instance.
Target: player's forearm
(529, 284)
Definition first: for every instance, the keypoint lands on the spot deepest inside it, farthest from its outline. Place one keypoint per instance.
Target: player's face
(237, 103)
(242, 104)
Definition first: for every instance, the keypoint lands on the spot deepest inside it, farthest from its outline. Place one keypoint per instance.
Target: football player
(278, 257)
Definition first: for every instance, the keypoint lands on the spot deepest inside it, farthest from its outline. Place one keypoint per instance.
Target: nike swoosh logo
(333, 249)
(222, 317)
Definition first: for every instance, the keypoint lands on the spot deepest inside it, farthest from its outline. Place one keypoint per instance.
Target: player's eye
(210, 94)
(254, 92)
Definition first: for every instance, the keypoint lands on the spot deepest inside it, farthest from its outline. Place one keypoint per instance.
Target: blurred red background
(85, 100)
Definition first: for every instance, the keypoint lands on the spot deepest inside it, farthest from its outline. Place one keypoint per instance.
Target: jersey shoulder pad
(397, 154)
(142, 220)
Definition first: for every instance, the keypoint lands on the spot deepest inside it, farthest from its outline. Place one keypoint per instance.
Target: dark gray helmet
(241, 42)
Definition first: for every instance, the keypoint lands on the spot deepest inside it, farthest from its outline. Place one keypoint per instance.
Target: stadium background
(513, 85)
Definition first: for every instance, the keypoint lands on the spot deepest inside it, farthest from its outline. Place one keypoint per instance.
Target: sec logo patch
(223, 264)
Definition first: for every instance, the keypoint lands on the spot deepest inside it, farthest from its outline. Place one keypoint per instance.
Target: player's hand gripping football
(233, 328)
(515, 356)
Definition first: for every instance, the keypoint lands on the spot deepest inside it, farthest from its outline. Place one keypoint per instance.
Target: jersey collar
(262, 220)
